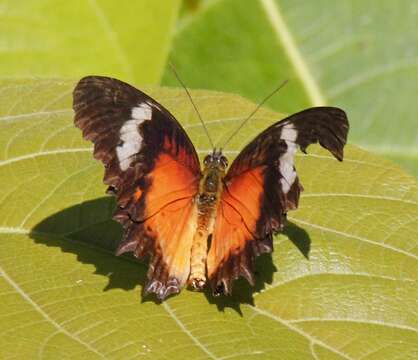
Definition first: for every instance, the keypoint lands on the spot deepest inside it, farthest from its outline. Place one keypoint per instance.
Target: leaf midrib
(284, 36)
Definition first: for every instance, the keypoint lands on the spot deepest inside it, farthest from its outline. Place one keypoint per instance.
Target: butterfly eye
(224, 162)
(207, 159)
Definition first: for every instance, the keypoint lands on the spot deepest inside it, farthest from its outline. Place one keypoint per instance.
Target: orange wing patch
(235, 241)
(244, 194)
(160, 220)
(172, 230)
(170, 181)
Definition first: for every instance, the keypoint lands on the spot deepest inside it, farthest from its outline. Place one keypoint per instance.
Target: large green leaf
(360, 55)
(64, 295)
(47, 38)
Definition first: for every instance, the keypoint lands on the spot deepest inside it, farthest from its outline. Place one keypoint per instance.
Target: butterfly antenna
(254, 111)
(194, 105)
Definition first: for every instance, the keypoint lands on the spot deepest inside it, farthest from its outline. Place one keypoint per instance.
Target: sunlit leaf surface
(340, 284)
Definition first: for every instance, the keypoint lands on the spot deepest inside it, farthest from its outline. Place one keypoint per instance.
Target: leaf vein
(358, 274)
(187, 332)
(359, 321)
(34, 114)
(377, 197)
(294, 328)
(51, 193)
(360, 238)
(369, 75)
(43, 153)
(45, 315)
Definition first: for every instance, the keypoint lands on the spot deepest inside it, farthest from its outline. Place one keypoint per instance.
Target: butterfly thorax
(210, 191)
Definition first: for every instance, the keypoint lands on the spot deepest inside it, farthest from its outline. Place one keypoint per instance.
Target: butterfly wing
(153, 170)
(261, 186)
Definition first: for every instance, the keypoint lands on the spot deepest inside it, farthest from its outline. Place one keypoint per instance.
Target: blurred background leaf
(359, 55)
(49, 38)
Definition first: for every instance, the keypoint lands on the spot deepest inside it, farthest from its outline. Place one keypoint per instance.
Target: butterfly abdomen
(210, 190)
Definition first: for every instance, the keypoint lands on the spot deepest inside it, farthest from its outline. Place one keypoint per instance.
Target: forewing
(128, 128)
(151, 167)
(261, 186)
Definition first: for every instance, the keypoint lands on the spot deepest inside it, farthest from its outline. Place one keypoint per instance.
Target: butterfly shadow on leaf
(88, 231)
(243, 293)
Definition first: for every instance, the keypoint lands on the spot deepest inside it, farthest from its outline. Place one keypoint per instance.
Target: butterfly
(198, 226)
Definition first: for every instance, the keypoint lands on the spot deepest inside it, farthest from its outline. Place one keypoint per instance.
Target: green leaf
(359, 55)
(65, 295)
(125, 39)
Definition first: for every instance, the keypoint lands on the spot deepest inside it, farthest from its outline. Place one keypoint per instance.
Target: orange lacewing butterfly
(198, 225)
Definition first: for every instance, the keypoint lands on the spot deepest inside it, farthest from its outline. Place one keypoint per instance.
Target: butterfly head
(216, 160)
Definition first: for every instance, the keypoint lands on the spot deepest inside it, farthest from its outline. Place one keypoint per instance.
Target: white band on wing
(289, 135)
(130, 138)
